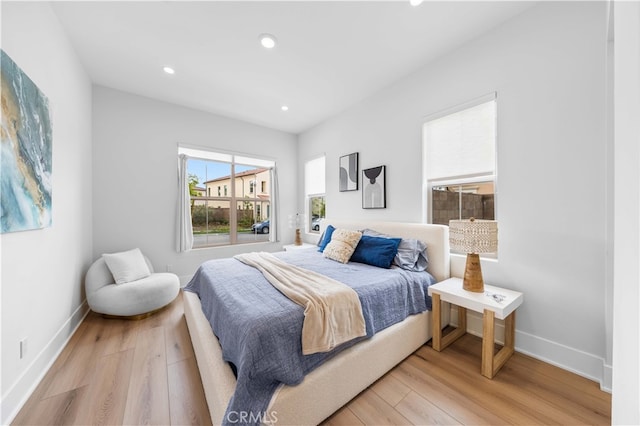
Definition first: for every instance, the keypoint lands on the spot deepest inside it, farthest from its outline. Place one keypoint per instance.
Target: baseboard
(607, 382)
(565, 357)
(21, 390)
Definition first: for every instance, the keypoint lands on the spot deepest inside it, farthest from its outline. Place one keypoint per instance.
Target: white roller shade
(461, 143)
(314, 176)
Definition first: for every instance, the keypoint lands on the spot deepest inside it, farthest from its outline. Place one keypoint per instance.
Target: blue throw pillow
(412, 253)
(376, 251)
(325, 238)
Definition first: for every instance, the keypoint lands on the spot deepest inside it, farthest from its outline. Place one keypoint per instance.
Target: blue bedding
(259, 328)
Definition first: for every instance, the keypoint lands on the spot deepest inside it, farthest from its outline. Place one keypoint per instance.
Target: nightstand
(494, 303)
(291, 247)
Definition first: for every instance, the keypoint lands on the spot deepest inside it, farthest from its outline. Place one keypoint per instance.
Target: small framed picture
(373, 188)
(349, 172)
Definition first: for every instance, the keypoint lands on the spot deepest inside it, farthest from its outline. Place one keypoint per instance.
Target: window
(263, 186)
(252, 186)
(237, 216)
(459, 148)
(314, 184)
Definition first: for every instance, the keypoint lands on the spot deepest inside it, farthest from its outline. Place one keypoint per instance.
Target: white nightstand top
(451, 291)
(290, 247)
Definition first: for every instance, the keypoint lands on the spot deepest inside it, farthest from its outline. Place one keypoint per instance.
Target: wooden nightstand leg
(438, 341)
(492, 364)
(510, 331)
(488, 336)
(509, 343)
(462, 318)
(436, 318)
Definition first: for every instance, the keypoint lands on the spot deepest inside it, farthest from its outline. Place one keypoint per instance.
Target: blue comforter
(259, 328)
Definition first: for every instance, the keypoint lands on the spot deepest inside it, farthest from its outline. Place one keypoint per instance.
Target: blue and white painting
(25, 152)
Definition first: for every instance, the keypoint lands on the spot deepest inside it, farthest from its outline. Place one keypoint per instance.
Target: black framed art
(349, 172)
(373, 188)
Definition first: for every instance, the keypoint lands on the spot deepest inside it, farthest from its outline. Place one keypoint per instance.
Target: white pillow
(127, 266)
(342, 245)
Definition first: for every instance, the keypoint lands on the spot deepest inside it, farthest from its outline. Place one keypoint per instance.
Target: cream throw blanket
(332, 310)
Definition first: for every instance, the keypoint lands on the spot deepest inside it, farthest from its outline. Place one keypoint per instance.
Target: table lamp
(295, 222)
(473, 236)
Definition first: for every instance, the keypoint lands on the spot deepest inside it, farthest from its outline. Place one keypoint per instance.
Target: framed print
(373, 188)
(349, 172)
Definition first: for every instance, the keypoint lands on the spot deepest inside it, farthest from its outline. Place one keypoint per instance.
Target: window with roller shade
(314, 188)
(459, 148)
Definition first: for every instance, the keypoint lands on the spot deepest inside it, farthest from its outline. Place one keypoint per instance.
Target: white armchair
(136, 299)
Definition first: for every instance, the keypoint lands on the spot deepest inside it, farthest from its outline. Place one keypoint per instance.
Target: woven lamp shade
(472, 237)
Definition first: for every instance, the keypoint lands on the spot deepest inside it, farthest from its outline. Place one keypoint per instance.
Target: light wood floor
(144, 372)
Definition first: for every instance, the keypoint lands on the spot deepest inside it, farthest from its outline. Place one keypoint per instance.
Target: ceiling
(330, 55)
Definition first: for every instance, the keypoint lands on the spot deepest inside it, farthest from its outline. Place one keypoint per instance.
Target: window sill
(220, 246)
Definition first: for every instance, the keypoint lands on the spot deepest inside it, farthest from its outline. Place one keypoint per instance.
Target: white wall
(626, 320)
(42, 270)
(135, 174)
(548, 68)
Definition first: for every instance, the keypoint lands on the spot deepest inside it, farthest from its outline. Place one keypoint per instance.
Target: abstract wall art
(349, 172)
(373, 188)
(25, 152)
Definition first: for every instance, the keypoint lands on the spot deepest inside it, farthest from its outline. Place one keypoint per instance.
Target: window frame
(220, 156)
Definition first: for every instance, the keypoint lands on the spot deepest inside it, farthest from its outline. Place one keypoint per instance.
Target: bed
(332, 384)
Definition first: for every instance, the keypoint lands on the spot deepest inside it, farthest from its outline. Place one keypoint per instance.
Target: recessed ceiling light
(267, 41)
(415, 2)
(169, 70)
(284, 108)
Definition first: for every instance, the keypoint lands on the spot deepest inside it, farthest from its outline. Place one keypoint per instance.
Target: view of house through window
(230, 200)
(459, 162)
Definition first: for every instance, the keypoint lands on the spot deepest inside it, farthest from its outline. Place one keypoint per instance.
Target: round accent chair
(135, 299)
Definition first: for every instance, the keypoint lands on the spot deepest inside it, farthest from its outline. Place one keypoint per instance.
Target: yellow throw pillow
(342, 245)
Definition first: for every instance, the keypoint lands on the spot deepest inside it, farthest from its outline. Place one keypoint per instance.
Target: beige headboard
(436, 237)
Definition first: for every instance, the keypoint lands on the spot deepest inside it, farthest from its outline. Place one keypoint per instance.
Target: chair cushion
(127, 266)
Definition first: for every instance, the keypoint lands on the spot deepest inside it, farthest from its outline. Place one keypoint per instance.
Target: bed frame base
(325, 389)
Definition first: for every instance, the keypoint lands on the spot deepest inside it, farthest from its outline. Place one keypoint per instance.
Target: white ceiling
(330, 55)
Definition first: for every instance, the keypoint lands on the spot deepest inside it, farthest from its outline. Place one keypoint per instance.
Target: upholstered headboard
(436, 237)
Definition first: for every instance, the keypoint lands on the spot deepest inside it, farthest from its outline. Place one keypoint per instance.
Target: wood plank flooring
(123, 372)
(144, 372)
